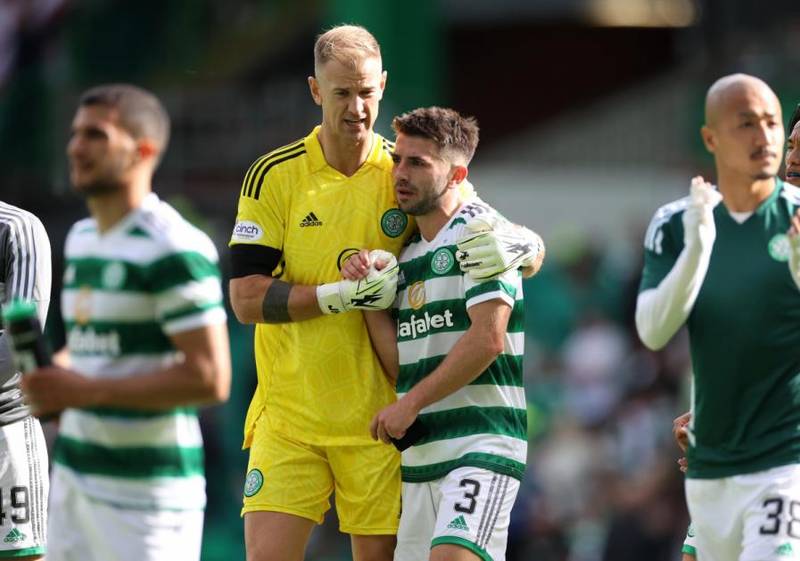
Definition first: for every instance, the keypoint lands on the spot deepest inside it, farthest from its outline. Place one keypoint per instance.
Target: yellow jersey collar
(317, 159)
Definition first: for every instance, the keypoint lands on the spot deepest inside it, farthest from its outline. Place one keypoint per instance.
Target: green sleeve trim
(491, 286)
(454, 540)
(192, 309)
(689, 550)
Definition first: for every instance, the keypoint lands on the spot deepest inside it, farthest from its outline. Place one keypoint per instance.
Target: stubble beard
(424, 206)
(109, 183)
(98, 188)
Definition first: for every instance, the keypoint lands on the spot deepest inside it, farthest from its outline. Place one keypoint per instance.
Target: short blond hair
(347, 45)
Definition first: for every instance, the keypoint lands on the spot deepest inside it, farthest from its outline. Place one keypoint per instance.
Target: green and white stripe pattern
(125, 292)
(484, 424)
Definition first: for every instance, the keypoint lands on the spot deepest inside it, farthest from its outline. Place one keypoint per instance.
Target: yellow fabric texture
(319, 381)
(298, 479)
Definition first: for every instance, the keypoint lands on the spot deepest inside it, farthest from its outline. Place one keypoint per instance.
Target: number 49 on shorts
(14, 505)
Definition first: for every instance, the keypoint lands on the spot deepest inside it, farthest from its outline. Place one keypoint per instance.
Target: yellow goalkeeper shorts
(284, 475)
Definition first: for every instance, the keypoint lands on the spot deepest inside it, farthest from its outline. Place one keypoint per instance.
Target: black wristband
(275, 306)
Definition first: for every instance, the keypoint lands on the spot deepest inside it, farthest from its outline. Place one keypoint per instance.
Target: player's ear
(313, 86)
(146, 149)
(459, 174)
(383, 84)
(708, 138)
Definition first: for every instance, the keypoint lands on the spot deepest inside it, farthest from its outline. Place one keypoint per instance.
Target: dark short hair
(450, 130)
(793, 121)
(140, 112)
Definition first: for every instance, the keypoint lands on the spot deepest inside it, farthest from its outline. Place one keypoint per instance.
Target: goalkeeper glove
(491, 246)
(376, 291)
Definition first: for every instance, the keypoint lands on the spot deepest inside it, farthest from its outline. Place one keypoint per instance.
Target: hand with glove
(375, 291)
(698, 218)
(491, 246)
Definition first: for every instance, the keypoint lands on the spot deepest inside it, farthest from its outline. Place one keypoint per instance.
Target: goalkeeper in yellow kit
(304, 209)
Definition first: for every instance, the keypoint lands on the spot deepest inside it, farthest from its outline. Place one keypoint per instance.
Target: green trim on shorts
(689, 550)
(455, 540)
(39, 550)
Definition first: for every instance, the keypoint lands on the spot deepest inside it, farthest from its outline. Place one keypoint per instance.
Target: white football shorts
(750, 517)
(83, 529)
(23, 489)
(470, 507)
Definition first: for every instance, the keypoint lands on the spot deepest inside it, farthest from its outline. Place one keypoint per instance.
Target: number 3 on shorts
(470, 495)
(774, 509)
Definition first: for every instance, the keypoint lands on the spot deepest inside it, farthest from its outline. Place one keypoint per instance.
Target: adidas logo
(310, 220)
(459, 523)
(14, 536)
(784, 550)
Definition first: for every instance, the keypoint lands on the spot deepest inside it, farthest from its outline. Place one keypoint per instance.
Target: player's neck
(109, 209)
(344, 154)
(744, 194)
(430, 224)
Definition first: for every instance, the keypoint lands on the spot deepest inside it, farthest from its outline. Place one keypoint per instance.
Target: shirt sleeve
(507, 287)
(188, 291)
(504, 288)
(28, 274)
(670, 286)
(261, 216)
(662, 245)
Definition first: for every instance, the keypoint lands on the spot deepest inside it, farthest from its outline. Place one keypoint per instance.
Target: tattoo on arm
(275, 307)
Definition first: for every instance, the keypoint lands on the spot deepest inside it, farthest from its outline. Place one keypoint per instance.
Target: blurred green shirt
(744, 334)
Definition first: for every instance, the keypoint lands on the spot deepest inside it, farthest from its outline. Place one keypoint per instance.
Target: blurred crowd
(602, 482)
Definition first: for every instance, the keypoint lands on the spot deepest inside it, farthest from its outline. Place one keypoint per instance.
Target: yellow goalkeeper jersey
(319, 380)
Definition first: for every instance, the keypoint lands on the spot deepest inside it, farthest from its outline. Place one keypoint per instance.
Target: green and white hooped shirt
(483, 424)
(125, 293)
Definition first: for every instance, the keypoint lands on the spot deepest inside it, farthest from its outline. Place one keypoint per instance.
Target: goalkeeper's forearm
(264, 299)
(661, 311)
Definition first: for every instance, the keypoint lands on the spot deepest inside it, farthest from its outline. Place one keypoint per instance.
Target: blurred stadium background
(589, 111)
